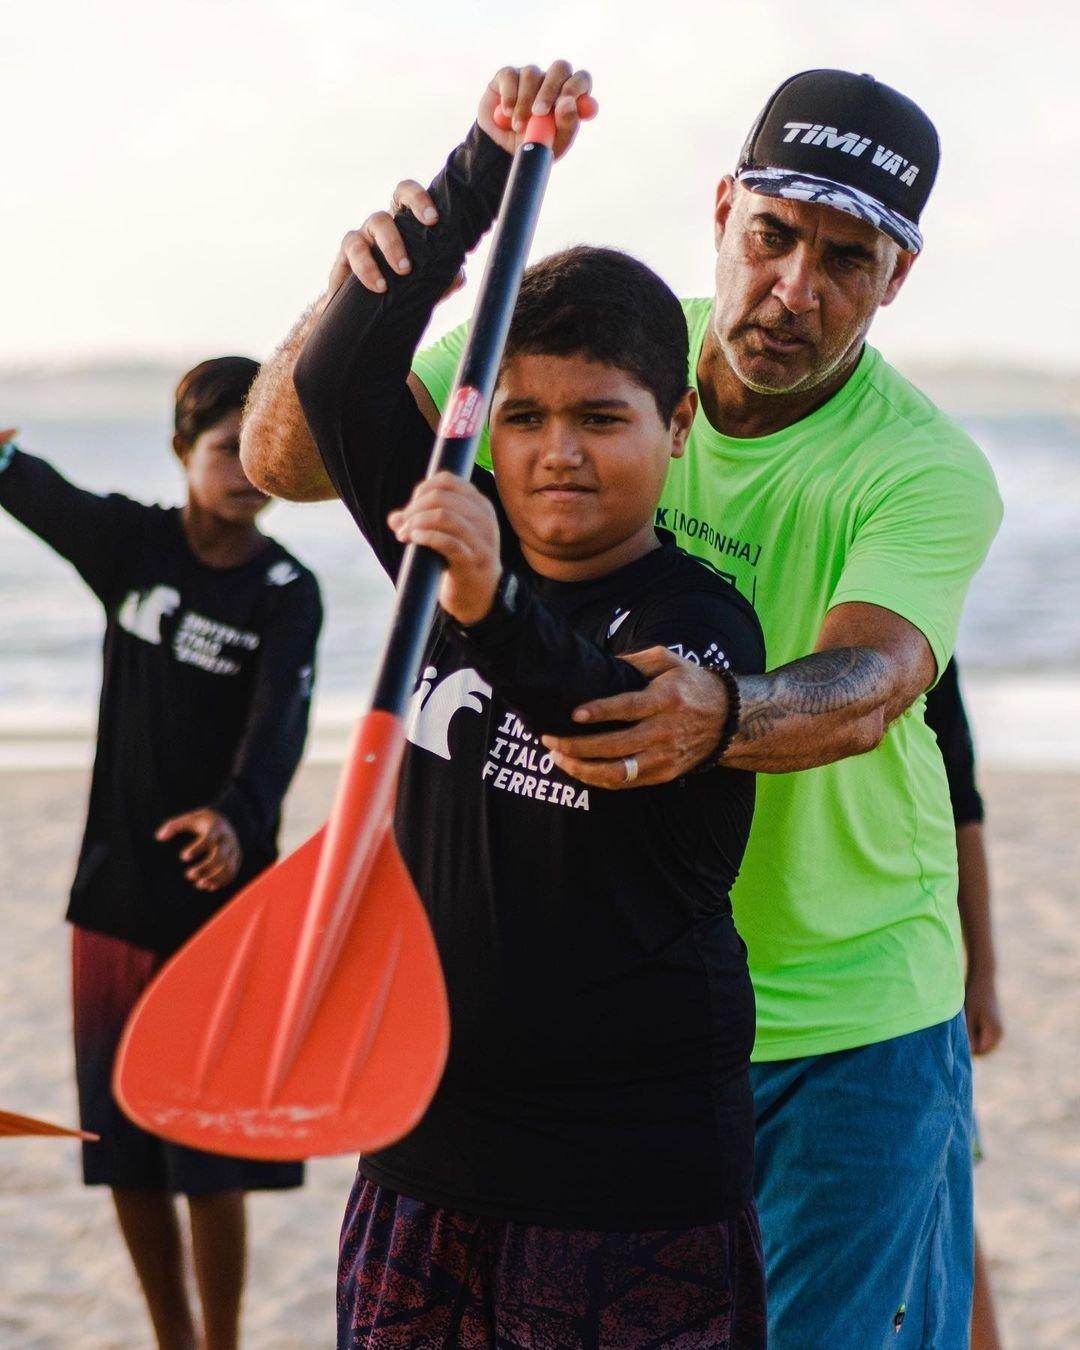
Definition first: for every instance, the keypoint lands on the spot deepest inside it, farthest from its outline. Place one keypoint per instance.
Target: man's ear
(181, 448)
(725, 199)
(905, 261)
(682, 419)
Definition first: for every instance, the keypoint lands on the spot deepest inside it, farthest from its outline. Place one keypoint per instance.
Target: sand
(65, 1283)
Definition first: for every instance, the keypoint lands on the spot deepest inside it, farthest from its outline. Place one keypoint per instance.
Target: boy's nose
(561, 447)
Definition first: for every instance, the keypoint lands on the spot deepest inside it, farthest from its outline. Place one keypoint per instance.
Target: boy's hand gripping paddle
(309, 1016)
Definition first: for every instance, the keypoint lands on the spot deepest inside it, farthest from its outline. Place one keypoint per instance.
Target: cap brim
(807, 187)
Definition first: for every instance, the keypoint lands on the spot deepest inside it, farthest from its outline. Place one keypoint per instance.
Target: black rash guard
(947, 719)
(601, 1009)
(204, 700)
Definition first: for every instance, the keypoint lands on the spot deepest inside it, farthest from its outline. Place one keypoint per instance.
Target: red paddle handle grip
(541, 130)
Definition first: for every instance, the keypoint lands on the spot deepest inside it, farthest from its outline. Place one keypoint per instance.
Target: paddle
(309, 1016)
(12, 1125)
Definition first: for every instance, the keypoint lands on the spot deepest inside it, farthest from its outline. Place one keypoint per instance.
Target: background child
(947, 718)
(208, 664)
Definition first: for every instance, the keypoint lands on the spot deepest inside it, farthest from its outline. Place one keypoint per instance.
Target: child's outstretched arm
(94, 533)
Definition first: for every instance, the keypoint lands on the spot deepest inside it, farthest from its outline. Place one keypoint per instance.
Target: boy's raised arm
(277, 448)
(352, 375)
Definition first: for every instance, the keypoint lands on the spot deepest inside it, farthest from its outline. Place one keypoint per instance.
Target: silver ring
(630, 768)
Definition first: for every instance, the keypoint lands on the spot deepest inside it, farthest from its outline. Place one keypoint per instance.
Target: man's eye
(845, 263)
(596, 419)
(771, 238)
(522, 419)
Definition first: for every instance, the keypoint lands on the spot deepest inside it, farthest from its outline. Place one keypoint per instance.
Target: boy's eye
(598, 419)
(522, 419)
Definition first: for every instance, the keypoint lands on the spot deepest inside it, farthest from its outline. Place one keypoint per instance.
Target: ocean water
(1019, 643)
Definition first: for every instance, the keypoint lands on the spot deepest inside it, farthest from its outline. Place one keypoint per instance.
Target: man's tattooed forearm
(825, 682)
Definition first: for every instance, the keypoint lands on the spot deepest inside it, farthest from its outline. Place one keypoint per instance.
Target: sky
(177, 177)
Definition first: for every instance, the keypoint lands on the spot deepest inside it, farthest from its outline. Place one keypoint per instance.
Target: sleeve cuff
(502, 621)
(236, 806)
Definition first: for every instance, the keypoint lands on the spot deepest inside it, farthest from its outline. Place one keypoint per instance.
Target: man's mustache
(779, 321)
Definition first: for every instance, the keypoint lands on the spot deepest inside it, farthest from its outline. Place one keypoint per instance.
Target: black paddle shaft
(464, 419)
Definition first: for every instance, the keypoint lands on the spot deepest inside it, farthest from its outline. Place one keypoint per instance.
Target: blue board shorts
(864, 1188)
(107, 977)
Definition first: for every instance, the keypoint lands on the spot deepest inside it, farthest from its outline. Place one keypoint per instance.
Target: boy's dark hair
(210, 392)
(607, 306)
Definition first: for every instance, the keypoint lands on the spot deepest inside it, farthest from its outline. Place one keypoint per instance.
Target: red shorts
(107, 977)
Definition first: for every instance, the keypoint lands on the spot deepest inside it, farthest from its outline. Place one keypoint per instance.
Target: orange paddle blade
(309, 1016)
(11, 1124)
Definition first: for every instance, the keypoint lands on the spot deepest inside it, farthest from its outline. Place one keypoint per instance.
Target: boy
(583, 1174)
(208, 657)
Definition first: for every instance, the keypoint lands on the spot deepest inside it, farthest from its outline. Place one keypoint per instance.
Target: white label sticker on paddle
(464, 414)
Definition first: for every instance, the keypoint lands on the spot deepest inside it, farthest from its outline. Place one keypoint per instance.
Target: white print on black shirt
(281, 573)
(713, 656)
(432, 707)
(518, 763)
(200, 641)
(142, 612)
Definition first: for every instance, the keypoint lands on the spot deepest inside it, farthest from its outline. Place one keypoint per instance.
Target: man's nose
(796, 285)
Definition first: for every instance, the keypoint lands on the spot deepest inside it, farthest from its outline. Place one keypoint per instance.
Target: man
(853, 515)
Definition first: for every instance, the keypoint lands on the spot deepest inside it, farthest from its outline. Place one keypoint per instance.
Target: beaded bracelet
(731, 721)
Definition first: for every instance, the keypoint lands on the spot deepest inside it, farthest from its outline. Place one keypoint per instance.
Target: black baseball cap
(845, 141)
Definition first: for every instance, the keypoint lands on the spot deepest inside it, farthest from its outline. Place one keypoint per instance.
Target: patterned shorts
(412, 1276)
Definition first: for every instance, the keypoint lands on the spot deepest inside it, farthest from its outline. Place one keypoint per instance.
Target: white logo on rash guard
(281, 573)
(142, 612)
(617, 622)
(432, 707)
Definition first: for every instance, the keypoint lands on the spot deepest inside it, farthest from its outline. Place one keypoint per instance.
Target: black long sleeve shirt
(947, 719)
(204, 699)
(601, 1009)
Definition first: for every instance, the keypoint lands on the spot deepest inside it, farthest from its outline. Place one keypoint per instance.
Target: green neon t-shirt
(847, 895)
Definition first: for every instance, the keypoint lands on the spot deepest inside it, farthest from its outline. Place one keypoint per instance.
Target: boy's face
(580, 456)
(215, 477)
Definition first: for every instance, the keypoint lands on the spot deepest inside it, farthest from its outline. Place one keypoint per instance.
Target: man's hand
(982, 1013)
(675, 723)
(215, 852)
(457, 521)
(520, 91)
